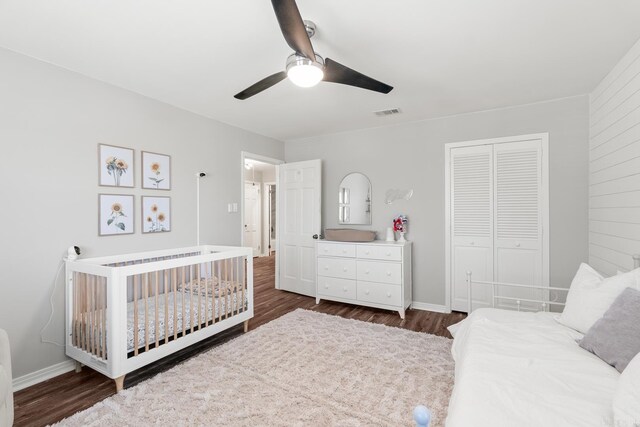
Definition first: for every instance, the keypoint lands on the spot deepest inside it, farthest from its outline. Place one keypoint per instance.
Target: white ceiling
(444, 57)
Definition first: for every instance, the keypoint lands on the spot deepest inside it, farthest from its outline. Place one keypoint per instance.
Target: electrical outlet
(229, 208)
(235, 207)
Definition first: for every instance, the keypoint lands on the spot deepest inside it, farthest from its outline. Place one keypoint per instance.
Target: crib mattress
(209, 308)
(176, 306)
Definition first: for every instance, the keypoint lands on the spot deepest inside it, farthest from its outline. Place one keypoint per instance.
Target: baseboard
(429, 307)
(43, 375)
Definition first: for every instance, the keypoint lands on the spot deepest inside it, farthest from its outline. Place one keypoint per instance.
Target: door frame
(544, 139)
(260, 201)
(244, 155)
(266, 200)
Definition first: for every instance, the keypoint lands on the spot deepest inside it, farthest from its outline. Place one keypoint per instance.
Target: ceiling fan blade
(335, 72)
(292, 27)
(263, 84)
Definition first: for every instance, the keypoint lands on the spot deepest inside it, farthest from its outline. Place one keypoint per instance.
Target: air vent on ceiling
(388, 112)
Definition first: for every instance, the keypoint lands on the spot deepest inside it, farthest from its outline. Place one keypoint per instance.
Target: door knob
(315, 236)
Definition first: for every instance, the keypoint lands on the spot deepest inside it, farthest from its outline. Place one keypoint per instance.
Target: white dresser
(375, 274)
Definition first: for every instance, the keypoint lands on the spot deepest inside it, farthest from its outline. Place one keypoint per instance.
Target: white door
(471, 211)
(252, 217)
(518, 206)
(299, 224)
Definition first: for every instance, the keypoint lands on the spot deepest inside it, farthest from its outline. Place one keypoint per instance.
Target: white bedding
(526, 369)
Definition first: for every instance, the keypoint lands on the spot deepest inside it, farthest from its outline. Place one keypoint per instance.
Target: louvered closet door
(471, 211)
(518, 218)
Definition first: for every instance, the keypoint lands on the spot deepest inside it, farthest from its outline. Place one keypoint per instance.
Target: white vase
(391, 237)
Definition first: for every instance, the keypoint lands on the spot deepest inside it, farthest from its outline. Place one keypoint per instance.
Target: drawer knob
(366, 272)
(367, 252)
(326, 250)
(366, 292)
(517, 245)
(344, 251)
(326, 286)
(388, 253)
(344, 289)
(388, 273)
(473, 243)
(388, 294)
(344, 269)
(326, 267)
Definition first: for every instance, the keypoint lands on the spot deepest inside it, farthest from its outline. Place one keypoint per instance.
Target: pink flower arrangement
(400, 223)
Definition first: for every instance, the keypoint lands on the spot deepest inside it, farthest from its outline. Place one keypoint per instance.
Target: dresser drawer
(342, 268)
(390, 253)
(336, 249)
(381, 272)
(380, 293)
(338, 288)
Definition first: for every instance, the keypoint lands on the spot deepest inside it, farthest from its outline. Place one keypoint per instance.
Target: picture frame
(116, 213)
(115, 166)
(156, 171)
(156, 214)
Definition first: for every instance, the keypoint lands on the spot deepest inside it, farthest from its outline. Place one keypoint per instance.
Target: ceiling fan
(305, 68)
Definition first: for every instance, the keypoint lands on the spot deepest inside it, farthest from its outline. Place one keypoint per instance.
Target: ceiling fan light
(304, 72)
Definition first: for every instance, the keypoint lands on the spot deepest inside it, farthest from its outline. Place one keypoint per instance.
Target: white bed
(525, 369)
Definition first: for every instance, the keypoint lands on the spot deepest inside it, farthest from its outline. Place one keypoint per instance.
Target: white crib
(126, 311)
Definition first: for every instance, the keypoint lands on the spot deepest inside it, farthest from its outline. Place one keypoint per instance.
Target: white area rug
(303, 369)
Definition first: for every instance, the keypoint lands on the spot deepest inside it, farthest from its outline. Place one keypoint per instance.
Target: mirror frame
(342, 196)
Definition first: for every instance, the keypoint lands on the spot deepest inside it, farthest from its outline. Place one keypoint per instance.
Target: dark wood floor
(62, 396)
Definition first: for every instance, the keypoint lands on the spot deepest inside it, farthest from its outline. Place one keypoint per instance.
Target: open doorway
(258, 204)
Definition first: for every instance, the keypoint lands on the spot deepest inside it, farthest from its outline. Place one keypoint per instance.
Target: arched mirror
(354, 200)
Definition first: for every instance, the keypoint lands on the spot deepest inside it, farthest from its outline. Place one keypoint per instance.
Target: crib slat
(184, 285)
(227, 308)
(175, 302)
(85, 312)
(191, 275)
(94, 315)
(157, 330)
(243, 283)
(146, 312)
(74, 323)
(136, 283)
(219, 292)
(166, 306)
(104, 318)
(199, 266)
(237, 289)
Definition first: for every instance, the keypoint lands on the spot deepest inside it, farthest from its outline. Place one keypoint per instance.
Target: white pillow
(626, 400)
(590, 296)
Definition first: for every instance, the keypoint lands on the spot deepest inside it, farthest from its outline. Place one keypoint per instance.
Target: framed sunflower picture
(156, 214)
(156, 171)
(115, 214)
(115, 166)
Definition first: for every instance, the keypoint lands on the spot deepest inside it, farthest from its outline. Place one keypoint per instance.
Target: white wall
(412, 156)
(614, 167)
(51, 121)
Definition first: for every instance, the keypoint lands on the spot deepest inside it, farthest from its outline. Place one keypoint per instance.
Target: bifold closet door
(471, 199)
(518, 207)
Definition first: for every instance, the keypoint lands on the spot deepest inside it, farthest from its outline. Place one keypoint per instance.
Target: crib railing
(121, 308)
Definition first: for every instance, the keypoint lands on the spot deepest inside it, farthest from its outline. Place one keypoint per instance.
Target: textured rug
(302, 369)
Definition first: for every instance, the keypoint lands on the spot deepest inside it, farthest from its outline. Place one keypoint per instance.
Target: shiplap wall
(614, 167)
